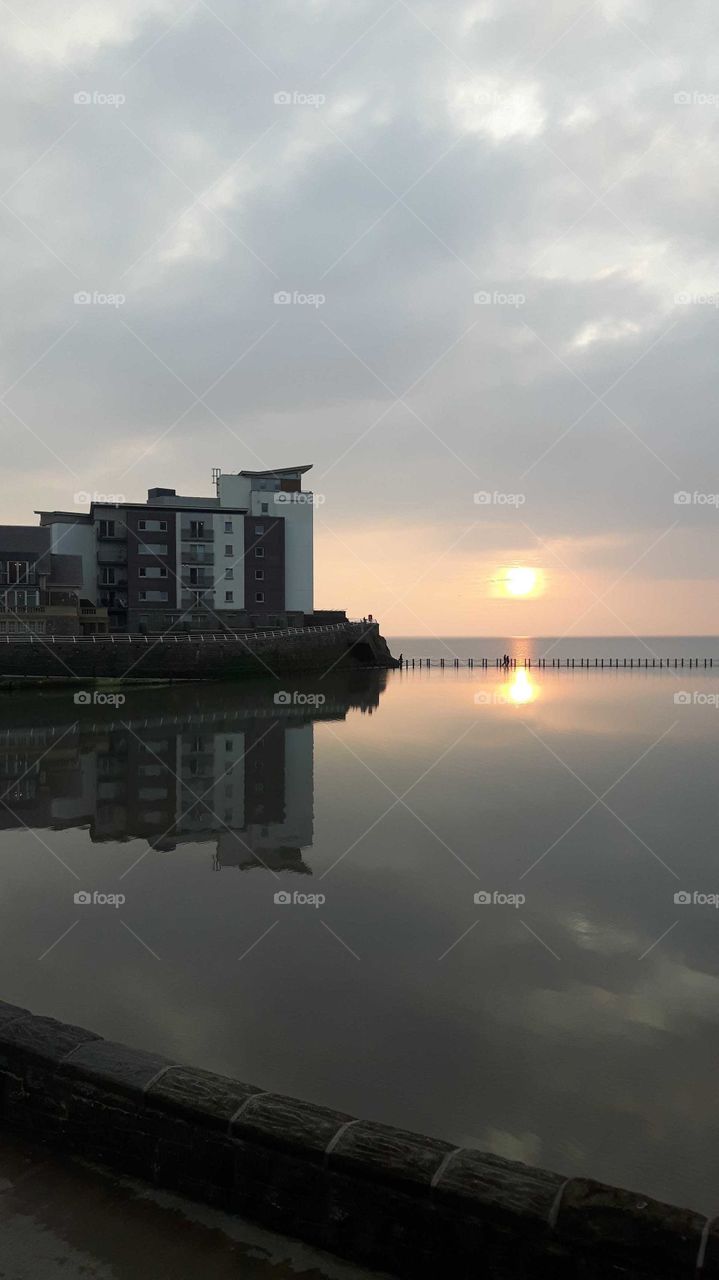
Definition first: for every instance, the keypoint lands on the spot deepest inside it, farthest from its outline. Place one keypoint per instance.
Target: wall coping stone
(412, 1205)
(106, 1062)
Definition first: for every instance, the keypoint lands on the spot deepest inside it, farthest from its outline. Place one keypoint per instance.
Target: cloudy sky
(496, 222)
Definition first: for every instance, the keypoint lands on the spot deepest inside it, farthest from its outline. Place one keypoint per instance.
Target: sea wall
(197, 657)
(413, 1206)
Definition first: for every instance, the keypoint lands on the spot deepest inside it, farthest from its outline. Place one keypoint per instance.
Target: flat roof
(276, 471)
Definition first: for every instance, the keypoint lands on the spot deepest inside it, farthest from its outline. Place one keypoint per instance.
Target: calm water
(578, 1030)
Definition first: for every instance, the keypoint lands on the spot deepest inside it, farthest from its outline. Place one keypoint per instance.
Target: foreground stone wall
(182, 657)
(413, 1206)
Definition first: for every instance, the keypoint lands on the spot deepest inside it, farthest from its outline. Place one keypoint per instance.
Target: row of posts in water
(571, 663)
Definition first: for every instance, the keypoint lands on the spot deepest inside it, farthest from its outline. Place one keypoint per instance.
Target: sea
(478, 903)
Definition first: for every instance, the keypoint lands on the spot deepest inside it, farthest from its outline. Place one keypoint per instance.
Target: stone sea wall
(413, 1206)
(193, 657)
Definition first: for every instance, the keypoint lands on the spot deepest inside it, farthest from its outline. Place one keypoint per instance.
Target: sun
(521, 581)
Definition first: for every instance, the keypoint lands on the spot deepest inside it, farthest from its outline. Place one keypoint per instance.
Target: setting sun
(520, 581)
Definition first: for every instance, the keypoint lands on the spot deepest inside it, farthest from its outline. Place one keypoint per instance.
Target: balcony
(189, 535)
(120, 534)
(197, 596)
(112, 554)
(197, 555)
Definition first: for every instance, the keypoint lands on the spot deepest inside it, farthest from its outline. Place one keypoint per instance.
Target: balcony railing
(196, 555)
(188, 535)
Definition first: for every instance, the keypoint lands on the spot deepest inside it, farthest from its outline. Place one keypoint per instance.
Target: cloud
(424, 156)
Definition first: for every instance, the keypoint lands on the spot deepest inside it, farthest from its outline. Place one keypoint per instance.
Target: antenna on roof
(216, 473)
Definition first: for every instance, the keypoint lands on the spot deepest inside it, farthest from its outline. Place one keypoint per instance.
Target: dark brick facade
(265, 554)
(137, 560)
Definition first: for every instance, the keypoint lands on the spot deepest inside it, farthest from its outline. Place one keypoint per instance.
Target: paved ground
(63, 1220)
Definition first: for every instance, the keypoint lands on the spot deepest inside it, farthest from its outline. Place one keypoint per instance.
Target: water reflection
(521, 689)
(193, 770)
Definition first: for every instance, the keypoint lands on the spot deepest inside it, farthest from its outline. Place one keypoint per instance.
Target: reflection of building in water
(241, 779)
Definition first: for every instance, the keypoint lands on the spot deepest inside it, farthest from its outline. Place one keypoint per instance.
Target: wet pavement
(61, 1218)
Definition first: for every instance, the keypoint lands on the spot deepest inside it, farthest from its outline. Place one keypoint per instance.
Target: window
(264, 508)
(197, 528)
(153, 526)
(153, 571)
(153, 597)
(259, 575)
(17, 571)
(229, 573)
(259, 529)
(108, 576)
(229, 744)
(228, 526)
(259, 597)
(229, 597)
(107, 529)
(228, 549)
(194, 577)
(152, 549)
(259, 553)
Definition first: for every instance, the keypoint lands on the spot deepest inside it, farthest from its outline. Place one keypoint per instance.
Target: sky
(492, 229)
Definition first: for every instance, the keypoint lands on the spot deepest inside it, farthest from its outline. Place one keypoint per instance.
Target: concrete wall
(298, 513)
(383, 1197)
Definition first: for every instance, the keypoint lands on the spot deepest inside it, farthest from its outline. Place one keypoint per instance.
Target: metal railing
(184, 637)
